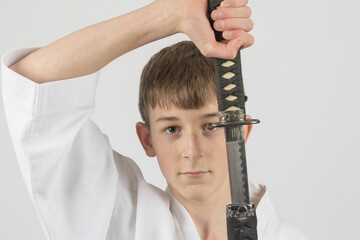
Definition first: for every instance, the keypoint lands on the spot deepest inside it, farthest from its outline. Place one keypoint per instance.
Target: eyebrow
(166, 119)
(172, 118)
(210, 115)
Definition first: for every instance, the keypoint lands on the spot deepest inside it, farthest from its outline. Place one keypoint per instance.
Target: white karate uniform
(80, 187)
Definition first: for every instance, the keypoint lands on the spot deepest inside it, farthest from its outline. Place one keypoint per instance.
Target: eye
(171, 130)
(209, 128)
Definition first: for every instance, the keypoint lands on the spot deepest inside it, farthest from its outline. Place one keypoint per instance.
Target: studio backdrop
(302, 79)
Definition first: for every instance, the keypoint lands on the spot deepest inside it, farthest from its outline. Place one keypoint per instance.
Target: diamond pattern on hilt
(229, 87)
(228, 64)
(228, 75)
(231, 98)
(232, 108)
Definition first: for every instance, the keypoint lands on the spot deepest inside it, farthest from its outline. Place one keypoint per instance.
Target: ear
(144, 136)
(247, 129)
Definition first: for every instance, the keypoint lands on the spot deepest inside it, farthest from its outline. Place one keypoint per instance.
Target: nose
(192, 147)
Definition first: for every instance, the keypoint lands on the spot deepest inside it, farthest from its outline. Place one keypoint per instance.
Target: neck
(208, 213)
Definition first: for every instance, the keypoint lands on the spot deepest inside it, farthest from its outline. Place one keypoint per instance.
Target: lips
(195, 174)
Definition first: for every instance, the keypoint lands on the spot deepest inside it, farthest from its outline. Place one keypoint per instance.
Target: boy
(82, 189)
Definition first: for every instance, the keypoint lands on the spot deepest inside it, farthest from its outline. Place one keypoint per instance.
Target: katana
(240, 214)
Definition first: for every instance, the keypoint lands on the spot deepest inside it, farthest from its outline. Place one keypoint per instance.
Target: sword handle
(229, 81)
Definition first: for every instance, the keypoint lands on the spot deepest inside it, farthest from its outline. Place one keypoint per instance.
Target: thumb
(226, 50)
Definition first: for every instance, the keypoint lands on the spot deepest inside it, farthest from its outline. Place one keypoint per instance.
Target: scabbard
(240, 214)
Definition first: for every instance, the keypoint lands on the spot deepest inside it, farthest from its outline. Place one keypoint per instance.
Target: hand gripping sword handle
(229, 82)
(240, 216)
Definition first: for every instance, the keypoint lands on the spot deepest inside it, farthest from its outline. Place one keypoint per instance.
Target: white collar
(258, 194)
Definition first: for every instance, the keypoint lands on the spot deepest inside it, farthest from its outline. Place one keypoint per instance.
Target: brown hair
(179, 75)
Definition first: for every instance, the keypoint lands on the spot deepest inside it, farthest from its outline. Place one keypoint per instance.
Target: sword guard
(232, 118)
(235, 123)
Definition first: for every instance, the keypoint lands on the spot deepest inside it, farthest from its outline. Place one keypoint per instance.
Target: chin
(197, 192)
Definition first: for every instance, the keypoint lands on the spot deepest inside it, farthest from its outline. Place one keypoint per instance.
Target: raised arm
(89, 49)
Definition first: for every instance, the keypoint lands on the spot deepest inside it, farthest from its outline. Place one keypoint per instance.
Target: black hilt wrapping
(229, 83)
(228, 74)
(241, 222)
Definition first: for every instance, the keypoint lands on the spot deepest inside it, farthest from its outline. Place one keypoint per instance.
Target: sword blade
(235, 148)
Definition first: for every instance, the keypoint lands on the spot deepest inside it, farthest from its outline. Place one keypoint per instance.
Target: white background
(302, 79)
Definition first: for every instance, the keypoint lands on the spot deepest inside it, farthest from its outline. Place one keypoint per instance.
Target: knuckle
(248, 11)
(251, 40)
(250, 25)
(225, 12)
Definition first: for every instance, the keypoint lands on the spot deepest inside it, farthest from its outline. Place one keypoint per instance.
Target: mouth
(195, 174)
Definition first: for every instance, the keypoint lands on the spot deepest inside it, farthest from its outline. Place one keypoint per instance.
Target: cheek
(217, 142)
(166, 155)
(165, 167)
(218, 150)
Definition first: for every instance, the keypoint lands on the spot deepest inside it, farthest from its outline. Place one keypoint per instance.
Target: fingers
(236, 16)
(234, 3)
(245, 24)
(243, 12)
(232, 19)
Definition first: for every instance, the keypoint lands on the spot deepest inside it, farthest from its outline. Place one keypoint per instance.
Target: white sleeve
(66, 162)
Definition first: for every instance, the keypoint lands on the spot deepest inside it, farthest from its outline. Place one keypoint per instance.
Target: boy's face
(191, 157)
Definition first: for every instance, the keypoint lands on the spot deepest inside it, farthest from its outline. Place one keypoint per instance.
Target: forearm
(89, 49)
